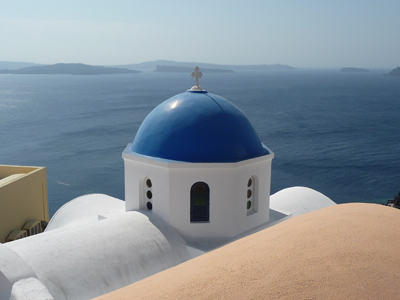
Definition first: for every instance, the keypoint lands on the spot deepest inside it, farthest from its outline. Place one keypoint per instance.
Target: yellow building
(23, 198)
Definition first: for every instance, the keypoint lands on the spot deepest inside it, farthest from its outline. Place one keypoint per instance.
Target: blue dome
(198, 127)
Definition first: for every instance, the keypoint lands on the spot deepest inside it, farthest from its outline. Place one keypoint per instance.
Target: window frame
(197, 209)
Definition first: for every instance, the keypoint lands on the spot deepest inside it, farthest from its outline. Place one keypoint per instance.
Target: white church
(197, 177)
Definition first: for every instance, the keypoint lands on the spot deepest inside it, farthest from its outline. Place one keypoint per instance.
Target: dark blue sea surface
(337, 133)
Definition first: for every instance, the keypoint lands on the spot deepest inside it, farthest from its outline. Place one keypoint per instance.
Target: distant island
(353, 70)
(11, 65)
(152, 65)
(7, 67)
(70, 69)
(394, 72)
(176, 69)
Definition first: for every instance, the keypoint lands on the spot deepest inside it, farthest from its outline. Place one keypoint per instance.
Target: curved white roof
(85, 209)
(87, 259)
(299, 200)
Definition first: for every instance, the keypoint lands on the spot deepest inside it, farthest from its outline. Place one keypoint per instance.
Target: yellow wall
(22, 198)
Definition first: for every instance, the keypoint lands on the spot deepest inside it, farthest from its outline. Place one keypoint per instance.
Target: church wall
(227, 182)
(228, 196)
(136, 172)
(222, 194)
(260, 173)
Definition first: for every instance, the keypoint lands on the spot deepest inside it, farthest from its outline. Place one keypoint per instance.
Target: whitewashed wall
(172, 182)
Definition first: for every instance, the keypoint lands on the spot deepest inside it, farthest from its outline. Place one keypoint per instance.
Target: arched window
(200, 202)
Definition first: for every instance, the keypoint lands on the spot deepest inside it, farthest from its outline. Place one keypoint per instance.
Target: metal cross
(196, 73)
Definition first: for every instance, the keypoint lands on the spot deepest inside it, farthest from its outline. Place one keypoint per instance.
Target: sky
(302, 34)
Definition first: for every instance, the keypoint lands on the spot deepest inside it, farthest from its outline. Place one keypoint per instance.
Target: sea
(337, 133)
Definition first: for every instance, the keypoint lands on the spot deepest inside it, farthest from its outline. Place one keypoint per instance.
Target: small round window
(249, 193)
(249, 183)
(148, 183)
(248, 204)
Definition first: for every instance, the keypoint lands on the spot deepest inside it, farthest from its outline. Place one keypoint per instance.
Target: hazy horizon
(313, 34)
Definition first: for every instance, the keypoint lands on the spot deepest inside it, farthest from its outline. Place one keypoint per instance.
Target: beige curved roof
(348, 251)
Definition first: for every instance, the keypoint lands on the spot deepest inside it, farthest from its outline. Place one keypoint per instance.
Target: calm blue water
(334, 132)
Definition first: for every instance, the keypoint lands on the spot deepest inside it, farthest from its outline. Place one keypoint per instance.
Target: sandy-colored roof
(348, 251)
